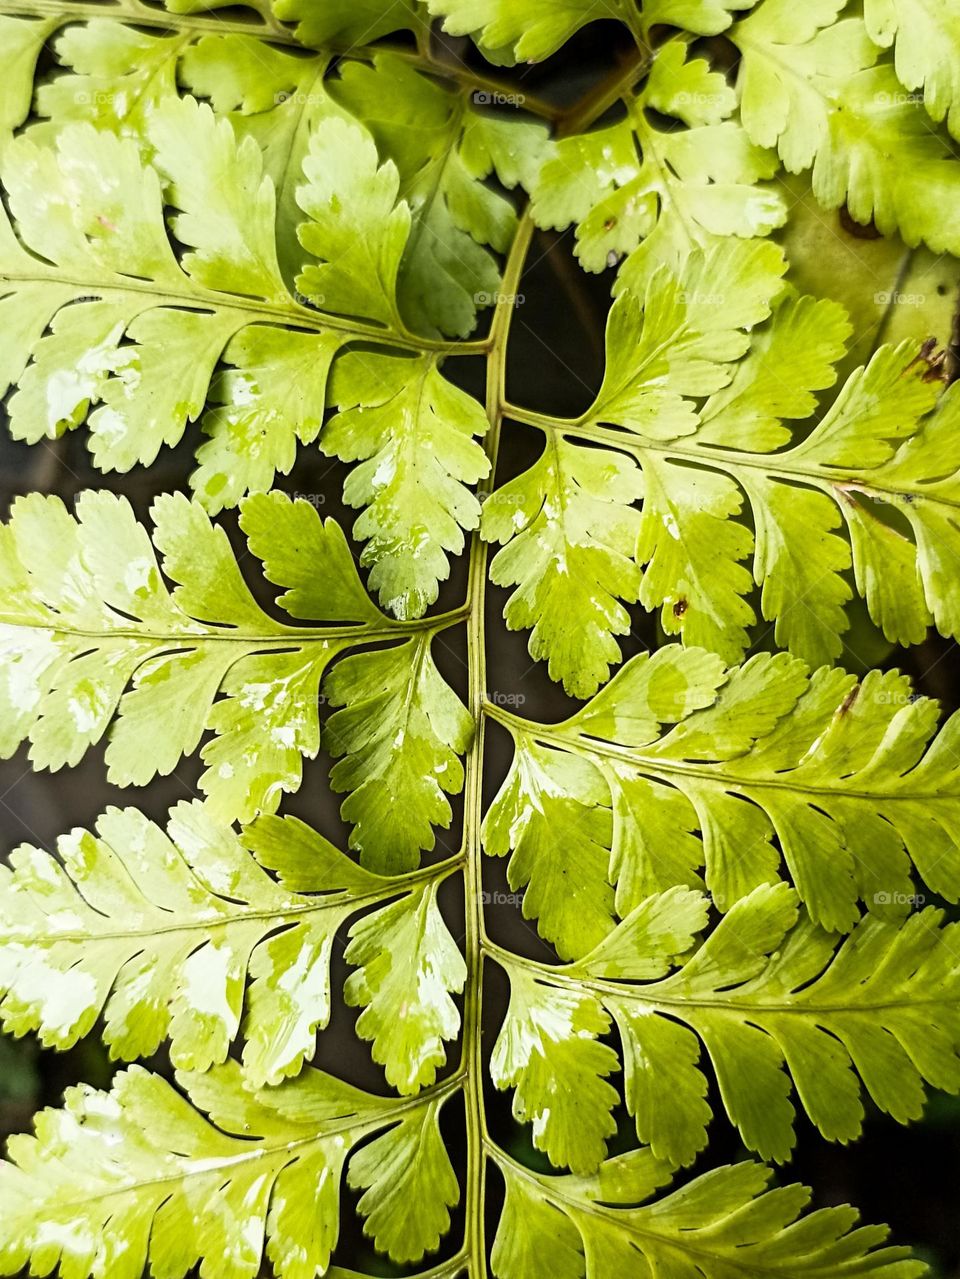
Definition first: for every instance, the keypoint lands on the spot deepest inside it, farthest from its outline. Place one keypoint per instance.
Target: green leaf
(269, 399)
(570, 532)
(703, 17)
(522, 30)
(126, 334)
(138, 1176)
(771, 1001)
(443, 147)
(398, 731)
(348, 22)
(927, 51)
(414, 434)
(409, 1186)
(812, 86)
(675, 189)
(566, 879)
(251, 225)
(848, 778)
(707, 464)
(96, 640)
(160, 933)
(548, 1049)
(725, 1223)
(360, 259)
(22, 39)
(409, 966)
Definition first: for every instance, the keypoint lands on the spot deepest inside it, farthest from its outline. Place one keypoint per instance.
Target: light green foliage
(21, 39)
(573, 558)
(766, 999)
(413, 432)
(359, 267)
(119, 343)
(115, 1180)
(443, 147)
(927, 51)
(722, 1225)
(345, 23)
(674, 189)
(524, 30)
(869, 485)
(811, 84)
(530, 30)
(397, 731)
(94, 639)
(679, 765)
(257, 200)
(158, 933)
(275, 229)
(571, 531)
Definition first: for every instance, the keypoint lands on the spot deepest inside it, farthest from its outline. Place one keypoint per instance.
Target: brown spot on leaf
(849, 700)
(935, 360)
(862, 230)
(680, 607)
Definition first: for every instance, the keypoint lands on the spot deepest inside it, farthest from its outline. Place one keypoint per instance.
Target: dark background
(904, 1176)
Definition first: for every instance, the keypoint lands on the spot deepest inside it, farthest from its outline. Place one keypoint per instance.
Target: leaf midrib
(261, 1150)
(710, 773)
(616, 1217)
(292, 637)
(192, 296)
(828, 480)
(287, 913)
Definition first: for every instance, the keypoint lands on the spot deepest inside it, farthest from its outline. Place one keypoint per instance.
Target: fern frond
(414, 435)
(94, 639)
(130, 284)
(849, 779)
(117, 1180)
(244, 219)
(811, 84)
(675, 189)
(98, 328)
(529, 31)
(770, 1000)
(22, 40)
(879, 465)
(723, 1224)
(926, 40)
(444, 146)
(159, 933)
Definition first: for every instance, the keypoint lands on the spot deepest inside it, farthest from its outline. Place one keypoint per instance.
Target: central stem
(473, 805)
